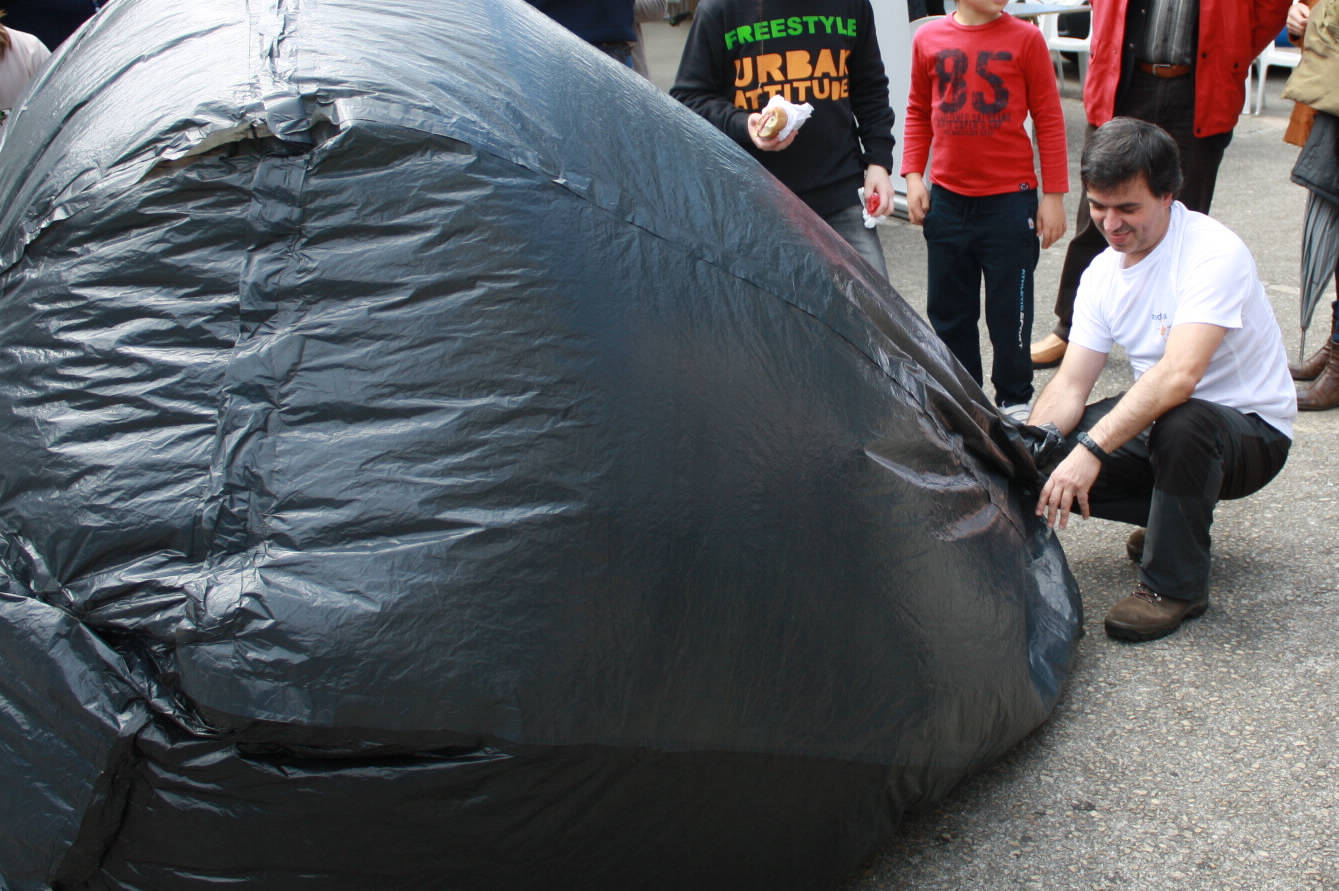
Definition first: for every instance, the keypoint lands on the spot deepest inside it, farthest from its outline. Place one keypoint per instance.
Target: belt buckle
(1162, 69)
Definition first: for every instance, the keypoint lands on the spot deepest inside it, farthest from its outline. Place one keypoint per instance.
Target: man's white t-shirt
(24, 58)
(1200, 272)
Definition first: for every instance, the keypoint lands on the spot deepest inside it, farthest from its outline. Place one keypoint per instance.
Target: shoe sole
(1047, 363)
(1127, 632)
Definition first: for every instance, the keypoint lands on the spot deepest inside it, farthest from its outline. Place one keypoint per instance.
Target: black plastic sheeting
(431, 458)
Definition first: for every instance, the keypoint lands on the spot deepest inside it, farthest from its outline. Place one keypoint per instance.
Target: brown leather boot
(1310, 369)
(1147, 615)
(1324, 390)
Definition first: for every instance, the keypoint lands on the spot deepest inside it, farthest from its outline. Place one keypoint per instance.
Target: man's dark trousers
(1170, 477)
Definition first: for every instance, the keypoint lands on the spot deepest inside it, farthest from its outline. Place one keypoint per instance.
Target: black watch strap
(1091, 445)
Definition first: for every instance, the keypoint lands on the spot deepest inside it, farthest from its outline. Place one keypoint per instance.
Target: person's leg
(1323, 391)
(1170, 103)
(1124, 492)
(1310, 369)
(1124, 489)
(953, 283)
(1170, 477)
(849, 223)
(1086, 244)
(1197, 454)
(1006, 238)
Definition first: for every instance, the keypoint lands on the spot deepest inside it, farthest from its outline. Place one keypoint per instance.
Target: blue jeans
(992, 237)
(849, 223)
(1170, 477)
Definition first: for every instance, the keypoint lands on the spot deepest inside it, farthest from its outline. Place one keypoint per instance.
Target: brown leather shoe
(1048, 351)
(1324, 390)
(1311, 368)
(1147, 615)
(1134, 545)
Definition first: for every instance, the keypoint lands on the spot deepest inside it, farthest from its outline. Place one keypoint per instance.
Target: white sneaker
(1017, 411)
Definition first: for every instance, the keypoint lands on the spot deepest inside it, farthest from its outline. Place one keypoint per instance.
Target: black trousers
(1170, 477)
(991, 238)
(1169, 103)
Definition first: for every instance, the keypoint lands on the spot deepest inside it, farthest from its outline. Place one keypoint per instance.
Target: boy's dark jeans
(994, 237)
(1170, 477)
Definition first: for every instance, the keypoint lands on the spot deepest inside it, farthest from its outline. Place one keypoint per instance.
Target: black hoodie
(823, 52)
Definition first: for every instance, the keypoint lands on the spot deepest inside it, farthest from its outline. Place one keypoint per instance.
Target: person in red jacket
(1180, 64)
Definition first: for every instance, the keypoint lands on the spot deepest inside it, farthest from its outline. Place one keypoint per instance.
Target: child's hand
(878, 184)
(1051, 218)
(765, 143)
(918, 199)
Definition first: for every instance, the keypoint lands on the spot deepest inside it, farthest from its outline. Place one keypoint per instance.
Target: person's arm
(1170, 382)
(1048, 120)
(869, 96)
(1268, 18)
(918, 198)
(1063, 400)
(878, 181)
(706, 77)
(1062, 403)
(1298, 14)
(916, 135)
(1051, 221)
(768, 143)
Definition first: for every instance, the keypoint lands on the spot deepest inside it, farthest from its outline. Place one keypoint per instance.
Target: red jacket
(1231, 34)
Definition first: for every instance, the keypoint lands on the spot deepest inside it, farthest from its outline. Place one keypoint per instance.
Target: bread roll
(773, 122)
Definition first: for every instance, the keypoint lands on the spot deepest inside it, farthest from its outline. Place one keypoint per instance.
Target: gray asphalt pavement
(1208, 759)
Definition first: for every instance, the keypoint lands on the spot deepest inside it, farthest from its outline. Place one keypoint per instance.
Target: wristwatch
(1091, 445)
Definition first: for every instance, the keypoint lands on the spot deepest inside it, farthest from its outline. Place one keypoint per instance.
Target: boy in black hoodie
(824, 52)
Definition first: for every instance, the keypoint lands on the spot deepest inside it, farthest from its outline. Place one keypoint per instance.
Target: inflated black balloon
(434, 459)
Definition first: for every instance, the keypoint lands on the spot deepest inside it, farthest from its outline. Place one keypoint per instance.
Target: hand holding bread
(774, 127)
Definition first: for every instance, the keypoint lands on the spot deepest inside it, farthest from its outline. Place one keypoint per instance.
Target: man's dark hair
(1123, 148)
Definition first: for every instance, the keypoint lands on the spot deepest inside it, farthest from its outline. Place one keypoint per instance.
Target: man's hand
(765, 143)
(918, 199)
(1298, 13)
(1051, 218)
(1068, 483)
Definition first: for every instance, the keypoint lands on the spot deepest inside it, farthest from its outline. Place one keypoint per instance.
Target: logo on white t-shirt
(1164, 322)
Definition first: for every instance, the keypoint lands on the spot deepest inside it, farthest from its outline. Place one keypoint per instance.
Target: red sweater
(971, 89)
(1231, 35)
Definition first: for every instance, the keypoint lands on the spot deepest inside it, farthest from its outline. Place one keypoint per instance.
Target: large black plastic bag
(434, 459)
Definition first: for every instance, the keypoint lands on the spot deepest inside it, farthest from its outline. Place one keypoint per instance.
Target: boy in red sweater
(975, 76)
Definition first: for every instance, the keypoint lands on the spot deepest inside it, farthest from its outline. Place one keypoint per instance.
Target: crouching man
(1210, 413)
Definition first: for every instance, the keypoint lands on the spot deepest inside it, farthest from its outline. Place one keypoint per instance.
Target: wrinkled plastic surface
(434, 459)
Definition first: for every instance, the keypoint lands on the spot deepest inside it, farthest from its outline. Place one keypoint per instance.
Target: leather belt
(1160, 69)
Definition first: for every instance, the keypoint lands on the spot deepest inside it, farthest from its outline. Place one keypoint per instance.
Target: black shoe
(1147, 615)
